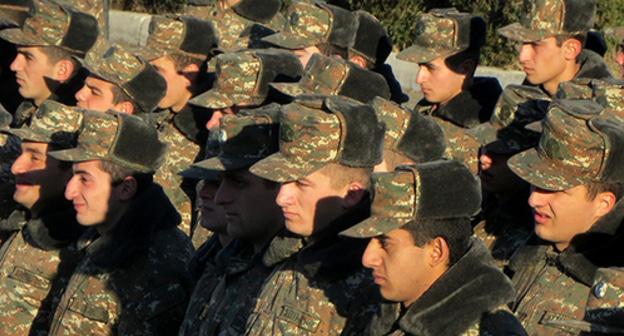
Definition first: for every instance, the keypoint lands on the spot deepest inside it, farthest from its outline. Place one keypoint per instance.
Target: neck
(568, 74)
(39, 101)
(224, 239)
(182, 103)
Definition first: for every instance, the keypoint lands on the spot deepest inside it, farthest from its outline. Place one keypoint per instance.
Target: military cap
(51, 24)
(242, 78)
(580, 144)
(413, 193)
(609, 93)
(258, 10)
(5, 117)
(123, 139)
(311, 23)
(52, 123)
(328, 76)
(179, 35)
(442, 33)
(410, 134)
(132, 74)
(545, 18)
(316, 131)
(371, 39)
(14, 12)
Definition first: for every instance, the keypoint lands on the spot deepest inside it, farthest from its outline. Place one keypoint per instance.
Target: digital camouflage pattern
(395, 118)
(605, 305)
(606, 92)
(96, 8)
(460, 145)
(323, 75)
(308, 23)
(113, 63)
(570, 151)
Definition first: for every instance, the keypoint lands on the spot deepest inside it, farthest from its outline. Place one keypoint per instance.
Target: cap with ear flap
(612, 132)
(258, 10)
(371, 39)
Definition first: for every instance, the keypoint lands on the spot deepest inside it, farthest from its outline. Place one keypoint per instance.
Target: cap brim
(291, 89)
(289, 41)
(216, 99)
(418, 54)
(517, 32)
(17, 36)
(149, 54)
(280, 169)
(73, 155)
(371, 227)
(196, 173)
(529, 166)
(225, 164)
(27, 135)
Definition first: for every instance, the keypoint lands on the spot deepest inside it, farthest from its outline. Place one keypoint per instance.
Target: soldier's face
(306, 53)
(96, 94)
(249, 205)
(92, 193)
(215, 118)
(38, 177)
(178, 85)
(310, 203)
(561, 215)
(400, 268)
(32, 67)
(212, 215)
(543, 61)
(438, 82)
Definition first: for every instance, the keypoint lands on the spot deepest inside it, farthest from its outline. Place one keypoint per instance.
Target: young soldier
(439, 281)
(447, 50)
(120, 81)
(242, 81)
(177, 47)
(552, 34)
(39, 254)
(132, 278)
(253, 219)
(314, 27)
(239, 23)
(328, 148)
(47, 43)
(576, 175)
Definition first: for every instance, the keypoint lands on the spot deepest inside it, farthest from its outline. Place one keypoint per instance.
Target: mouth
(79, 206)
(379, 279)
(540, 217)
(289, 215)
(22, 184)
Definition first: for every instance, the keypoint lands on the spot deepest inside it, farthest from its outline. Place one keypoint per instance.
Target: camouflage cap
(242, 78)
(258, 10)
(123, 139)
(413, 193)
(575, 148)
(14, 12)
(541, 19)
(179, 35)
(410, 134)
(329, 76)
(442, 33)
(371, 40)
(315, 132)
(132, 74)
(609, 93)
(311, 23)
(52, 123)
(245, 139)
(51, 24)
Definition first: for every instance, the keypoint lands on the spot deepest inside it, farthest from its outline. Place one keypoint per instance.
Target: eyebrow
(94, 89)
(81, 172)
(32, 150)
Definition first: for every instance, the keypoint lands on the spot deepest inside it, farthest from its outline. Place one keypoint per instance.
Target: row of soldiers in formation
(273, 142)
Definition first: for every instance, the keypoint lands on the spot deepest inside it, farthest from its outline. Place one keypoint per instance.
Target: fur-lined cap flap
(362, 133)
(462, 190)
(82, 32)
(364, 85)
(278, 66)
(579, 15)
(423, 140)
(147, 89)
(137, 145)
(200, 38)
(258, 10)
(371, 39)
(613, 134)
(344, 26)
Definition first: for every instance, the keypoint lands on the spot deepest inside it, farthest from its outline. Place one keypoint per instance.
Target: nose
(538, 197)
(422, 75)
(371, 258)
(18, 63)
(224, 194)
(18, 167)
(285, 194)
(71, 189)
(81, 95)
(526, 53)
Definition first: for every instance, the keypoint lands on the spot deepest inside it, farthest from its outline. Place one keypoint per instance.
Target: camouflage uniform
(9, 151)
(554, 288)
(454, 304)
(38, 257)
(132, 279)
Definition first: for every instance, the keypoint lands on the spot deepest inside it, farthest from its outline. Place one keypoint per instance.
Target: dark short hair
(120, 95)
(455, 231)
(118, 173)
(595, 188)
(56, 54)
(581, 37)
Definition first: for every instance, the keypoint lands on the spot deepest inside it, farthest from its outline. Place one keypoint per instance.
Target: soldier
(552, 34)
(447, 50)
(239, 23)
(577, 185)
(39, 254)
(242, 81)
(328, 148)
(132, 279)
(177, 47)
(119, 80)
(327, 75)
(253, 219)
(438, 280)
(48, 41)
(314, 27)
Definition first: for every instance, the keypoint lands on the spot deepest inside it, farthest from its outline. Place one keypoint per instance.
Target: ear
(571, 49)
(355, 193)
(605, 202)
(64, 69)
(467, 67)
(124, 107)
(359, 60)
(439, 252)
(127, 188)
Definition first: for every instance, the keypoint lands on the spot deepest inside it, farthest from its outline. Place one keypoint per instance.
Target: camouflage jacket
(132, 280)
(505, 227)
(552, 289)
(35, 264)
(605, 305)
(469, 299)
(318, 286)
(468, 109)
(184, 133)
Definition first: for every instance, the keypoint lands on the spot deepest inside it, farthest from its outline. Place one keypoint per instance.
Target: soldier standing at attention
(132, 279)
(39, 255)
(577, 179)
(437, 279)
(328, 148)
